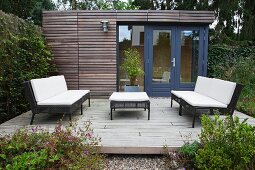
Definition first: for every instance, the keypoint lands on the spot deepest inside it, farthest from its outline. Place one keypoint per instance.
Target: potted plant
(132, 66)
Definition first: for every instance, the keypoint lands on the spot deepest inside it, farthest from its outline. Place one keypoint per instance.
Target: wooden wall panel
(60, 30)
(86, 55)
(97, 52)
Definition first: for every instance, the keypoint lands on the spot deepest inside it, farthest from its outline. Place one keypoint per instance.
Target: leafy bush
(228, 144)
(65, 148)
(23, 56)
(184, 157)
(188, 151)
(235, 64)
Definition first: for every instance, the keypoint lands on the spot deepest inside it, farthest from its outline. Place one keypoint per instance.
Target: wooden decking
(129, 132)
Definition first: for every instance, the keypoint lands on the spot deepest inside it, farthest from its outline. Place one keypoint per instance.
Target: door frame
(148, 58)
(175, 53)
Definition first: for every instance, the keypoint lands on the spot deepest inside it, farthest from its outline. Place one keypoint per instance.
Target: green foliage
(97, 5)
(21, 9)
(30, 10)
(188, 152)
(235, 64)
(65, 148)
(29, 160)
(226, 144)
(23, 56)
(36, 14)
(132, 65)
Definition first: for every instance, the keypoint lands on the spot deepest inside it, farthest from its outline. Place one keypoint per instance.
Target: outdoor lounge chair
(209, 93)
(50, 95)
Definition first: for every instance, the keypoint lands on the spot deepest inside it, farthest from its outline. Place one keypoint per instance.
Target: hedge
(23, 56)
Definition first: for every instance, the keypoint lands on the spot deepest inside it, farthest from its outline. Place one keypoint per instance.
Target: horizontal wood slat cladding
(97, 52)
(86, 55)
(197, 16)
(60, 30)
(134, 15)
(163, 16)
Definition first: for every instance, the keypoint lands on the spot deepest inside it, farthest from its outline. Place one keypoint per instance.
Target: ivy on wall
(23, 56)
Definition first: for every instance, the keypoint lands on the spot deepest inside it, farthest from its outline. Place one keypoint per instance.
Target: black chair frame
(193, 109)
(130, 104)
(65, 109)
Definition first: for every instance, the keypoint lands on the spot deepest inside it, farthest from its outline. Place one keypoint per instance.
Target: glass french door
(174, 58)
(160, 62)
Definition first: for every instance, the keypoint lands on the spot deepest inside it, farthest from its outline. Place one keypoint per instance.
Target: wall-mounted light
(105, 25)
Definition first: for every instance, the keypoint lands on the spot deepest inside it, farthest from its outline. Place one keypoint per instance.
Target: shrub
(184, 157)
(65, 148)
(23, 56)
(228, 144)
(188, 152)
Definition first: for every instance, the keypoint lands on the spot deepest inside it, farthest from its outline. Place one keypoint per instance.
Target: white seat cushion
(196, 99)
(222, 90)
(179, 94)
(66, 98)
(79, 91)
(129, 96)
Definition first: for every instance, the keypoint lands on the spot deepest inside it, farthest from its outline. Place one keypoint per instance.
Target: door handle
(173, 61)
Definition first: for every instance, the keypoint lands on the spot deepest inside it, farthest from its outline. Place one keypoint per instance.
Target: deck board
(129, 132)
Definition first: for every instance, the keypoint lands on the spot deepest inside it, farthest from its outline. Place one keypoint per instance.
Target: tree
(41, 5)
(27, 9)
(20, 8)
(144, 4)
(247, 32)
(96, 5)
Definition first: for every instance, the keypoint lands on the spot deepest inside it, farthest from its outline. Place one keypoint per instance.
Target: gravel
(134, 162)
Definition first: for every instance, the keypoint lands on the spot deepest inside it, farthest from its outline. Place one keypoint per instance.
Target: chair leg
(180, 110)
(111, 113)
(148, 113)
(89, 102)
(70, 117)
(171, 102)
(32, 119)
(194, 118)
(211, 111)
(81, 110)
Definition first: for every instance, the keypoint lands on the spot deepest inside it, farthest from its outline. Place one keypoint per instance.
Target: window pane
(161, 56)
(189, 56)
(130, 36)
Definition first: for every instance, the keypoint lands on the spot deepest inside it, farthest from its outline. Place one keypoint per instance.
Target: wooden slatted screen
(86, 55)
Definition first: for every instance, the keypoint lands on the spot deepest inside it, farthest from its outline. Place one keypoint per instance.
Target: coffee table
(129, 100)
